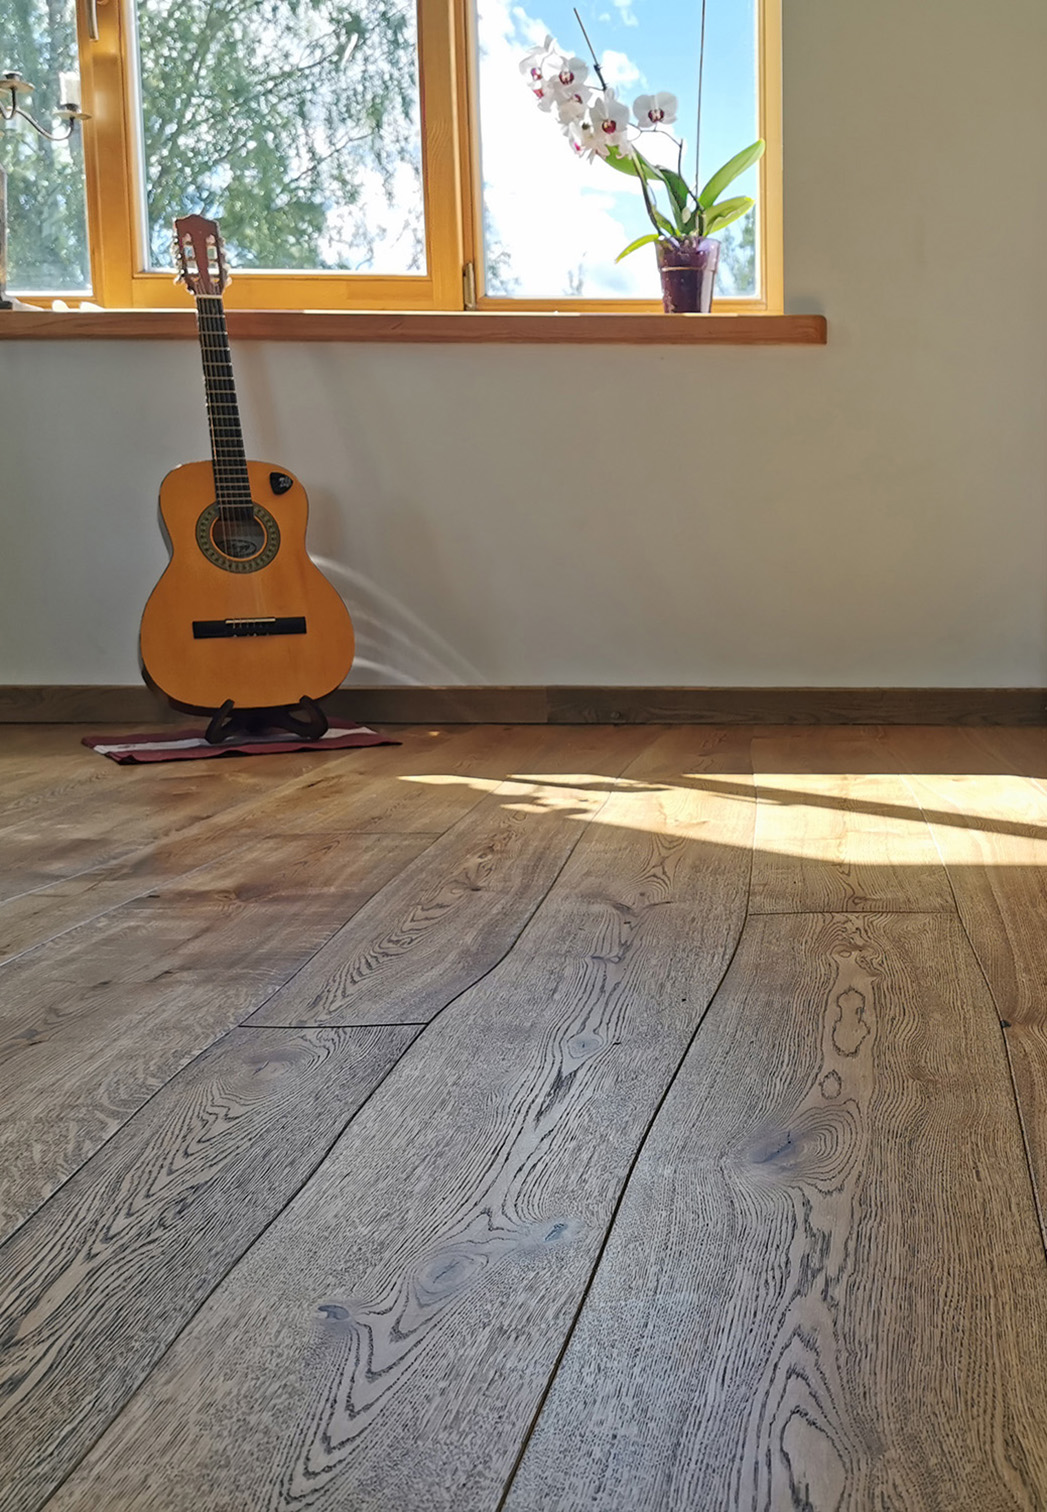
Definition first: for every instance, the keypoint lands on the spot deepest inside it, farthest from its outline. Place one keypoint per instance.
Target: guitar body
(241, 612)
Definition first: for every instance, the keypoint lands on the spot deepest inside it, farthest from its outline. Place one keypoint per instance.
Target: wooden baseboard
(60, 703)
(101, 705)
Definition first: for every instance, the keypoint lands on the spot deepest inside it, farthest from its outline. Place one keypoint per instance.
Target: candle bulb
(69, 90)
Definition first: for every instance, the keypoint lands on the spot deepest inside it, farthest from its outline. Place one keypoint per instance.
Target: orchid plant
(597, 124)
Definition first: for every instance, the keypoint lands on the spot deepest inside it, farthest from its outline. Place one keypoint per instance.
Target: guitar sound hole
(238, 544)
(238, 538)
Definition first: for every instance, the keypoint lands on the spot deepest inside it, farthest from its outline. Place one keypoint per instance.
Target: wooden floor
(633, 1119)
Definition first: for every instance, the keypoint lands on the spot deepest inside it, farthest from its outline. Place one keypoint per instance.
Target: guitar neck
(232, 486)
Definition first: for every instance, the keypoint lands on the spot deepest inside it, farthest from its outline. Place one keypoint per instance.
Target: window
(47, 206)
(373, 154)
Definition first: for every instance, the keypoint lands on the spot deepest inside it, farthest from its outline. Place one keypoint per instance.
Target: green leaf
(726, 213)
(641, 241)
(679, 192)
(629, 164)
(638, 167)
(729, 172)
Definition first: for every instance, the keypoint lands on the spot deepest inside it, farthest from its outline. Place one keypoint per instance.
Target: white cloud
(626, 14)
(388, 218)
(619, 69)
(555, 217)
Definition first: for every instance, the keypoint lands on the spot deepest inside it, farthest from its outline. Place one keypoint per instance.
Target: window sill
(527, 327)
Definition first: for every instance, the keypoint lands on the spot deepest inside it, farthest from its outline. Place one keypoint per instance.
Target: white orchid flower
(570, 90)
(535, 64)
(655, 110)
(610, 120)
(581, 136)
(571, 75)
(571, 108)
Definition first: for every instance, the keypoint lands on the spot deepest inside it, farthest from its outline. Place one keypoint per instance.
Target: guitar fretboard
(232, 486)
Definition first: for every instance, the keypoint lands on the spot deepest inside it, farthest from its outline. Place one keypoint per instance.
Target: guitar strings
(232, 482)
(223, 418)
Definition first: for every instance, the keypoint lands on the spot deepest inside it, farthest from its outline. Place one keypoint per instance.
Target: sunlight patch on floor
(819, 816)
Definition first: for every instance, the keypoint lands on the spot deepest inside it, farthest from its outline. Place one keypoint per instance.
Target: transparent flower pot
(687, 265)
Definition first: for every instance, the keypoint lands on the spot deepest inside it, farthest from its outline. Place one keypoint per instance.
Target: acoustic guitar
(241, 613)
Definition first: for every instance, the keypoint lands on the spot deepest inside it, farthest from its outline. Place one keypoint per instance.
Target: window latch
(469, 286)
(92, 19)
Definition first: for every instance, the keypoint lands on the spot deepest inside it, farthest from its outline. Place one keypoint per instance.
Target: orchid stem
(592, 49)
(698, 124)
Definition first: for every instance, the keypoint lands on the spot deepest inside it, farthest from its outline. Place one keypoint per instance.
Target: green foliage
(276, 117)
(702, 214)
(641, 241)
(679, 192)
(725, 212)
(737, 273)
(628, 163)
(293, 122)
(729, 172)
(499, 278)
(47, 248)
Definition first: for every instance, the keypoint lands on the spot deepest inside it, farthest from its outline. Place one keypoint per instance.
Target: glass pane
(554, 222)
(47, 248)
(295, 123)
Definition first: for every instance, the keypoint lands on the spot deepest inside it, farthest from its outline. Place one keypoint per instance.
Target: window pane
(46, 207)
(554, 223)
(295, 123)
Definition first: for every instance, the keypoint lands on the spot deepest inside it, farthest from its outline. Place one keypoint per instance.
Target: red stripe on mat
(190, 745)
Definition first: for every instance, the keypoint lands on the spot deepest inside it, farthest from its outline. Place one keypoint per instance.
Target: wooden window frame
(451, 184)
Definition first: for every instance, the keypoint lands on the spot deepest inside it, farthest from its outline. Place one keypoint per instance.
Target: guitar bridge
(229, 629)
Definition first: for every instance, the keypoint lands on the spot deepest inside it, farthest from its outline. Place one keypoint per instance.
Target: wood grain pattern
(423, 326)
(835, 831)
(53, 836)
(99, 1017)
(455, 910)
(42, 761)
(184, 868)
(384, 1344)
(96, 1021)
(825, 1286)
(417, 790)
(79, 843)
(99, 1283)
(991, 830)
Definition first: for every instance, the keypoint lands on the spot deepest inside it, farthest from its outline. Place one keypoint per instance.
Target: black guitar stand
(229, 725)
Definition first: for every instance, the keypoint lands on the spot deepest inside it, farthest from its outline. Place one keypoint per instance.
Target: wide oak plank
(836, 830)
(57, 840)
(96, 865)
(457, 908)
(97, 1285)
(990, 823)
(422, 789)
(370, 788)
(825, 1286)
(94, 1022)
(386, 1341)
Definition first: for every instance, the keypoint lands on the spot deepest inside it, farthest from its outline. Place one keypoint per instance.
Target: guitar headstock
(199, 255)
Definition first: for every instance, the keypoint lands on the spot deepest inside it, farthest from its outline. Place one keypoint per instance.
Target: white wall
(871, 513)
